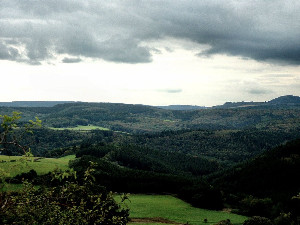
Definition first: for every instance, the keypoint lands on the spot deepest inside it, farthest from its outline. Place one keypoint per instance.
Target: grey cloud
(5, 52)
(36, 31)
(71, 60)
(253, 87)
(168, 49)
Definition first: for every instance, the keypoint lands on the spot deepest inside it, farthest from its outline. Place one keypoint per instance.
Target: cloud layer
(34, 31)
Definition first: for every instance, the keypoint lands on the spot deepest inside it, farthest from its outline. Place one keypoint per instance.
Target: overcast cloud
(34, 31)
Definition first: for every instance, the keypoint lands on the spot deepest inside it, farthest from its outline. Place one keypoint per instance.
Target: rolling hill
(144, 119)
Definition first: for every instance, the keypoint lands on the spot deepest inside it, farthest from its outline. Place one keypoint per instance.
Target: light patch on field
(81, 128)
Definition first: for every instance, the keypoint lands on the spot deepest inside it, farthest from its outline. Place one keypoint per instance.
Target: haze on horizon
(149, 52)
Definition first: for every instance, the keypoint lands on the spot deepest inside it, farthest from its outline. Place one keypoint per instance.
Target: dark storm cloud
(36, 31)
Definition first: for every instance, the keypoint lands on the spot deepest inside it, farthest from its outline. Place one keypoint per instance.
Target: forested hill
(271, 181)
(224, 145)
(144, 119)
(274, 171)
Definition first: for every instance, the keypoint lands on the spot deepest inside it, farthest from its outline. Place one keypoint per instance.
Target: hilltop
(280, 101)
(288, 99)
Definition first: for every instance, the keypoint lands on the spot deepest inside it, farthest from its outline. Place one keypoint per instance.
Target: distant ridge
(33, 103)
(282, 100)
(181, 107)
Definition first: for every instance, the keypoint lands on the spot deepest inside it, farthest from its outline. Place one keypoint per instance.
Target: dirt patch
(154, 220)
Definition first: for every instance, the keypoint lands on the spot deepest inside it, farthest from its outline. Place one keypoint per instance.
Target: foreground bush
(70, 203)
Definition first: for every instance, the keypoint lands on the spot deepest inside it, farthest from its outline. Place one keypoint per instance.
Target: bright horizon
(182, 53)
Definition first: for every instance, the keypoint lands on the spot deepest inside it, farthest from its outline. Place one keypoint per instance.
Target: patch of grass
(13, 165)
(81, 128)
(174, 209)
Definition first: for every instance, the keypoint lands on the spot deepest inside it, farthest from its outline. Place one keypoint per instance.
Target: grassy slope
(173, 209)
(42, 166)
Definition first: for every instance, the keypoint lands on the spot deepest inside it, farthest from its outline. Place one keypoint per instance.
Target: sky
(149, 52)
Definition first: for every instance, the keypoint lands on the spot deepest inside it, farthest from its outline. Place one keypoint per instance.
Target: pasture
(10, 166)
(165, 209)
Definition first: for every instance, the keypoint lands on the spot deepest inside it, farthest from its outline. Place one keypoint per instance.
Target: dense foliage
(67, 203)
(223, 145)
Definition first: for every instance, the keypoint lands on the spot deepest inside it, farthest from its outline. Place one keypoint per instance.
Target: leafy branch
(9, 124)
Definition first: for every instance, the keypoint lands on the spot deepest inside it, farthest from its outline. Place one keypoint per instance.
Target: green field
(13, 165)
(81, 128)
(165, 209)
